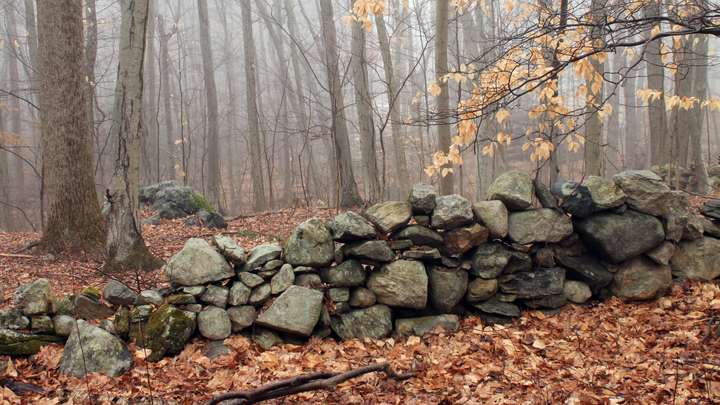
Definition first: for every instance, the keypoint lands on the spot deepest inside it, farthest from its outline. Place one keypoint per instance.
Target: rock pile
(402, 267)
(171, 200)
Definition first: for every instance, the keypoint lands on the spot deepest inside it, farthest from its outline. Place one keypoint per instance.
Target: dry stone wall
(400, 267)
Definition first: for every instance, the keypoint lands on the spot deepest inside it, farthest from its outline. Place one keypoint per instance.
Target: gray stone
(296, 311)
(451, 212)
(211, 219)
(362, 297)
(400, 244)
(197, 263)
(195, 290)
(168, 331)
(693, 229)
(13, 343)
(42, 324)
(274, 265)
(170, 199)
(304, 269)
(260, 294)
(261, 254)
(481, 290)
(194, 308)
(389, 216)
(617, 238)
(711, 228)
(109, 326)
(90, 349)
(33, 298)
(646, 192)
(266, 338)
(89, 308)
(422, 198)
(554, 301)
(230, 249)
(310, 244)
(575, 199)
(711, 209)
(489, 260)
(605, 193)
(140, 313)
(374, 322)
(216, 349)
(544, 195)
(697, 259)
(283, 279)
(663, 253)
(576, 291)
(241, 317)
(420, 235)
(534, 284)
(641, 279)
(422, 253)
(239, 294)
(447, 287)
(118, 293)
(587, 268)
(182, 298)
(423, 220)
(250, 279)
(216, 295)
(214, 323)
(496, 307)
(63, 324)
(539, 225)
(460, 240)
(514, 188)
(373, 250)
(309, 280)
(494, 215)
(543, 256)
(149, 297)
(403, 283)
(339, 294)
(13, 318)
(349, 226)
(349, 273)
(422, 325)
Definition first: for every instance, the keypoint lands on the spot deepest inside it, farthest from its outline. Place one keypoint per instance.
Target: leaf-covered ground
(610, 353)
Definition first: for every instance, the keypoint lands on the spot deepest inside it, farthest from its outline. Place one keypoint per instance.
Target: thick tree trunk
(700, 91)
(348, 188)
(213, 160)
(91, 38)
(232, 131)
(594, 155)
(73, 219)
(19, 195)
(659, 142)
(614, 149)
(125, 245)
(172, 164)
(635, 154)
(259, 202)
(4, 180)
(151, 139)
(443, 99)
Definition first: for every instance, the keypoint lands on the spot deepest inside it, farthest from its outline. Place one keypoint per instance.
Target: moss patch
(167, 332)
(202, 203)
(24, 344)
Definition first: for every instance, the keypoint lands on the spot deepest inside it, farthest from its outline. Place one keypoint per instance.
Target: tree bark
(700, 91)
(659, 145)
(614, 149)
(594, 155)
(18, 196)
(635, 154)
(172, 165)
(232, 130)
(151, 139)
(73, 213)
(443, 99)
(125, 246)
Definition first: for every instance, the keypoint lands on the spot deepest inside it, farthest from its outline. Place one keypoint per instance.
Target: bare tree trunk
(91, 38)
(594, 155)
(151, 139)
(19, 196)
(232, 131)
(443, 99)
(74, 220)
(659, 142)
(348, 188)
(172, 165)
(614, 149)
(700, 91)
(4, 178)
(259, 202)
(125, 245)
(214, 186)
(634, 150)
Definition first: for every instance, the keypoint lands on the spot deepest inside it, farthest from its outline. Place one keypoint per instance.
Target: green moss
(64, 305)
(23, 344)
(92, 292)
(203, 203)
(180, 299)
(168, 330)
(122, 322)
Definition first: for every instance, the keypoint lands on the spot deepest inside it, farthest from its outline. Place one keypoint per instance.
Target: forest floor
(611, 353)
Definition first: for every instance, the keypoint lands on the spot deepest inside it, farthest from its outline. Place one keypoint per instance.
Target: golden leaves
(435, 89)
(542, 149)
(501, 115)
(361, 11)
(647, 95)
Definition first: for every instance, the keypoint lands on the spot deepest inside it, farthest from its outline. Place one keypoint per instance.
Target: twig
(308, 382)
(17, 256)
(27, 246)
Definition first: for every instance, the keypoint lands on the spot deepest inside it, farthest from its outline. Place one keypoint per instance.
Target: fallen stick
(308, 382)
(14, 255)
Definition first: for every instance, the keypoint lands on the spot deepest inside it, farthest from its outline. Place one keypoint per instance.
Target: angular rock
(197, 263)
(588, 269)
(460, 240)
(389, 216)
(309, 280)
(374, 322)
(554, 301)
(261, 254)
(694, 228)
(362, 297)
(605, 193)
(180, 299)
(239, 294)
(491, 259)
(422, 325)
(423, 220)
(170, 199)
(617, 238)
(403, 283)
(481, 290)
(310, 244)
(230, 249)
(283, 279)
(13, 343)
(63, 324)
(214, 323)
(447, 287)
(149, 297)
(663, 253)
(241, 317)
(33, 298)
(216, 295)
(420, 235)
(13, 319)
(544, 195)
(422, 253)
(349, 226)
(251, 280)
(494, 215)
(42, 324)
(697, 259)
(711, 209)
(514, 188)
(576, 292)
(349, 273)
(451, 212)
(168, 331)
(90, 349)
(209, 219)
(575, 199)
(339, 294)
(216, 349)
(260, 294)
(89, 308)
(711, 228)
(401, 244)
(641, 279)
(646, 192)
(497, 307)
(266, 338)
(534, 284)
(373, 250)
(422, 198)
(295, 311)
(195, 290)
(118, 293)
(539, 225)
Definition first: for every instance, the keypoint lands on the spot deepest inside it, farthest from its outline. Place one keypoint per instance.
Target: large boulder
(460, 240)
(295, 311)
(451, 211)
(374, 322)
(494, 215)
(172, 200)
(13, 343)
(168, 330)
(349, 226)
(539, 225)
(620, 237)
(241, 317)
(90, 349)
(605, 193)
(349, 273)
(389, 216)
(697, 259)
(575, 199)
(310, 244)
(118, 293)
(33, 298)
(13, 318)
(534, 284)
(403, 283)
(641, 279)
(420, 235)
(214, 323)
(261, 254)
(514, 188)
(646, 192)
(422, 325)
(197, 263)
(373, 250)
(422, 199)
(588, 269)
(447, 287)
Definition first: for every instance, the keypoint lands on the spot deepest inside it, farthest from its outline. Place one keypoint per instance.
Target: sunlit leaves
(648, 95)
(501, 115)
(435, 89)
(361, 11)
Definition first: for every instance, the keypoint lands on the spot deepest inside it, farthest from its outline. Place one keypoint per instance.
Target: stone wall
(400, 267)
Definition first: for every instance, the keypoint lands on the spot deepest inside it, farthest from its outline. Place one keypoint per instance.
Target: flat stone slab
(295, 311)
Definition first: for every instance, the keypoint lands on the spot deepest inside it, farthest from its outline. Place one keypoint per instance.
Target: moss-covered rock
(167, 331)
(14, 343)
